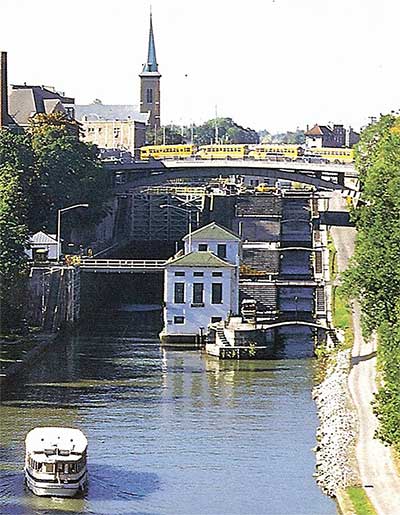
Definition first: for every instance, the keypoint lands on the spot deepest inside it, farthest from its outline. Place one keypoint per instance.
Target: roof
(43, 238)
(151, 65)
(201, 259)
(26, 101)
(109, 112)
(213, 231)
(319, 130)
(50, 439)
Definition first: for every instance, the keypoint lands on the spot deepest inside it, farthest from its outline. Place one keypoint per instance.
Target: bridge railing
(122, 263)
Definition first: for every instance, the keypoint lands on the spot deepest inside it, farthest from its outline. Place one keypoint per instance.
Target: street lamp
(59, 211)
(188, 211)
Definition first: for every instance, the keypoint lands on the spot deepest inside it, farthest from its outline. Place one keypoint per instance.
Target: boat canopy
(56, 442)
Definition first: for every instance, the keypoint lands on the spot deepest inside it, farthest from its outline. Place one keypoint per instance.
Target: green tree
(374, 274)
(13, 238)
(225, 130)
(69, 171)
(170, 134)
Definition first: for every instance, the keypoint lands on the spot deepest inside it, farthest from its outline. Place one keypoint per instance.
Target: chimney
(3, 90)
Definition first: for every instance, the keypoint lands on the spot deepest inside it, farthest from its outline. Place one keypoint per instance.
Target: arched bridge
(134, 175)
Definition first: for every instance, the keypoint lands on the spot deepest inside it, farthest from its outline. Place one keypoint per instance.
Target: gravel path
(377, 471)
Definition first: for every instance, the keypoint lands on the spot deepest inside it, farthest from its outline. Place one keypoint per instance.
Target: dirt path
(377, 471)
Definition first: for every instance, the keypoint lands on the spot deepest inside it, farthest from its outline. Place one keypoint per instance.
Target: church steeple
(150, 83)
(151, 64)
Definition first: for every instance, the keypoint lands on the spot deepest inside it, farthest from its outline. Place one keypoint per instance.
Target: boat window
(48, 468)
(60, 467)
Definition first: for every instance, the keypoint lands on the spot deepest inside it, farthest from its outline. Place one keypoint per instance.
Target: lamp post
(59, 211)
(188, 211)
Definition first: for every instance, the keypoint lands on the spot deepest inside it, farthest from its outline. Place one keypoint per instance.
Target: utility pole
(216, 125)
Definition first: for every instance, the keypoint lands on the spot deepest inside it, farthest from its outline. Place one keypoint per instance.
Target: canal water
(170, 432)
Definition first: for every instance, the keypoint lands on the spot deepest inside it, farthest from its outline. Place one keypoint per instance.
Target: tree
(42, 170)
(13, 238)
(374, 274)
(69, 171)
(224, 130)
(169, 134)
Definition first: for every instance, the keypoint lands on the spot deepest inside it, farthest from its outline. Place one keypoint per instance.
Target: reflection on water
(169, 432)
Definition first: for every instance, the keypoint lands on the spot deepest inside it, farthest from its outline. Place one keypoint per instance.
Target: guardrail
(119, 264)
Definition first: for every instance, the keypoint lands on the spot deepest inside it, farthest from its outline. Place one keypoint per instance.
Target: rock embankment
(336, 434)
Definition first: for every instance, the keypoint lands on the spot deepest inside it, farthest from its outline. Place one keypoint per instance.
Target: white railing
(138, 264)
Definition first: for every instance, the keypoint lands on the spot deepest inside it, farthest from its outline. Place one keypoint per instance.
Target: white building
(42, 246)
(201, 287)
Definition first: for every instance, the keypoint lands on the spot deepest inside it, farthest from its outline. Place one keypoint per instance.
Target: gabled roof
(109, 112)
(213, 231)
(319, 130)
(26, 101)
(43, 238)
(200, 259)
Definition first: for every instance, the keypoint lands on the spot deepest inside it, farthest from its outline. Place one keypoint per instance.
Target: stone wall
(336, 435)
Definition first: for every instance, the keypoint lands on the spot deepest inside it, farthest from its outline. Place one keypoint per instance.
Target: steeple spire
(150, 84)
(151, 64)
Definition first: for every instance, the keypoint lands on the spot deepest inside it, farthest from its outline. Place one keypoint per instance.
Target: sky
(268, 64)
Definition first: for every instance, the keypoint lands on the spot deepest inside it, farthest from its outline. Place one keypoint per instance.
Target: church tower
(150, 84)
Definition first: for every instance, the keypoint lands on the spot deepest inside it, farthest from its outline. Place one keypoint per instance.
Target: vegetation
(69, 173)
(374, 274)
(359, 499)
(13, 235)
(288, 138)
(341, 315)
(41, 170)
(220, 130)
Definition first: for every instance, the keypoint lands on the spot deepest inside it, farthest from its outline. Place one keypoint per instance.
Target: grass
(341, 315)
(341, 310)
(333, 267)
(361, 504)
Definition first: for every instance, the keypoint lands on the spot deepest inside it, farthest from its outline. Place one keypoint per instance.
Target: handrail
(122, 263)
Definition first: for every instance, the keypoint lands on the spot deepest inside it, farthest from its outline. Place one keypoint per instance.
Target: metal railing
(115, 264)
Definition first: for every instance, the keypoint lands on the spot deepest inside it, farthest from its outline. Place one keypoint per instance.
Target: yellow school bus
(278, 152)
(166, 151)
(334, 155)
(222, 151)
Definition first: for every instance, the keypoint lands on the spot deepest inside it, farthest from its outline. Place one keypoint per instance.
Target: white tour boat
(55, 461)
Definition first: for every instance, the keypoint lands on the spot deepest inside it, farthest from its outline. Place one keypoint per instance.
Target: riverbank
(336, 434)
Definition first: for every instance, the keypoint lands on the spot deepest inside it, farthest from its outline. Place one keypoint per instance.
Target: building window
(198, 274)
(179, 293)
(217, 274)
(179, 320)
(180, 274)
(198, 293)
(202, 247)
(215, 319)
(221, 250)
(216, 293)
(149, 96)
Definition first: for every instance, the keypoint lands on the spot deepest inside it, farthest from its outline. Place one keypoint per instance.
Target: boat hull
(47, 489)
